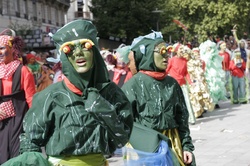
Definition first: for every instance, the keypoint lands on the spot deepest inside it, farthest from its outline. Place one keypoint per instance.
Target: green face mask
(161, 56)
(80, 57)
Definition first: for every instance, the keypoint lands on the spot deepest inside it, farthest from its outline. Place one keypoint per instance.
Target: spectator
(17, 87)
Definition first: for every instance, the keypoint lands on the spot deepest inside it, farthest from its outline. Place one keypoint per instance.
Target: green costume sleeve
(113, 114)
(28, 158)
(37, 123)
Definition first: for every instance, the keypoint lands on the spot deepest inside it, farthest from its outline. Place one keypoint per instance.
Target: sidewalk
(221, 137)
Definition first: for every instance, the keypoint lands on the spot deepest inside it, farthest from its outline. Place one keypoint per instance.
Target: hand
(187, 157)
(234, 28)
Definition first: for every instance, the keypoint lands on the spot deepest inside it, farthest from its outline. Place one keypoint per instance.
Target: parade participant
(17, 87)
(199, 93)
(177, 68)
(214, 74)
(121, 71)
(238, 80)
(46, 79)
(57, 68)
(34, 66)
(225, 63)
(157, 99)
(82, 117)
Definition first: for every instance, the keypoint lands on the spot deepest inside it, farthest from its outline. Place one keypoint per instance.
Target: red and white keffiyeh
(7, 70)
(5, 40)
(7, 110)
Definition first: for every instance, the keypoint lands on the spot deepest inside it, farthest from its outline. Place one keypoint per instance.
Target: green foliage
(131, 18)
(214, 16)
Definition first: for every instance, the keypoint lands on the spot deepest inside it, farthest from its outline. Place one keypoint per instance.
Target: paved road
(221, 137)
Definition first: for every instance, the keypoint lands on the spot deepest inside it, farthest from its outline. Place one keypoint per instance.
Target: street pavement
(221, 137)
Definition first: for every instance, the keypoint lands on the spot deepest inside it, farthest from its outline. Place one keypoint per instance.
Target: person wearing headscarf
(17, 87)
(177, 68)
(34, 66)
(83, 117)
(121, 72)
(157, 99)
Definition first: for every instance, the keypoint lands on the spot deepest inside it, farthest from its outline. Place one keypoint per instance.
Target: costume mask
(80, 54)
(161, 56)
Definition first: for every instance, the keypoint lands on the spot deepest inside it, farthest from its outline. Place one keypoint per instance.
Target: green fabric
(159, 105)
(28, 159)
(81, 29)
(68, 124)
(34, 67)
(123, 53)
(214, 74)
(146, 139)
(65, 123)
(144, 51)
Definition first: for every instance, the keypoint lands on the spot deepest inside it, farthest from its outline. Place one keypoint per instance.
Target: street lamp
(157, 22)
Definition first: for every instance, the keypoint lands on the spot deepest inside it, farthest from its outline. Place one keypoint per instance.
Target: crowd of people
(83, 103)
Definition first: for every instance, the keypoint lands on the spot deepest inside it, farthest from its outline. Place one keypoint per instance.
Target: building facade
(34, 19)
(80, 9)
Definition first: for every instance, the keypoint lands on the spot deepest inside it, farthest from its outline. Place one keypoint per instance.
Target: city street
(221, 137)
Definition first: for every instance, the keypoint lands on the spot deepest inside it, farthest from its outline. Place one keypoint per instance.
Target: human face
(6, 54)
(32, 61)
(196, 55)
(180, 51)
(223, 46)
(161, 56)
(80, 56)
(242, 44)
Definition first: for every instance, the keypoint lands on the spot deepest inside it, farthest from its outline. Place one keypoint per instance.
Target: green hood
(143, 48)
(81, 29)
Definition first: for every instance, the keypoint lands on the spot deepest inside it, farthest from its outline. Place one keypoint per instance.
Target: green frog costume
(157, 100)
(77, 126)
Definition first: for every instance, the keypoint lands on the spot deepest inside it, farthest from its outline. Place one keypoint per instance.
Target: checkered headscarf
(6, 40)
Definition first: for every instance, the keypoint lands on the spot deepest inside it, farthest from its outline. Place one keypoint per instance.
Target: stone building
(34, 19)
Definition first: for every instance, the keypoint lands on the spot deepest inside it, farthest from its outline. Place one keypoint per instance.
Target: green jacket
(68, 124)
(159, 105)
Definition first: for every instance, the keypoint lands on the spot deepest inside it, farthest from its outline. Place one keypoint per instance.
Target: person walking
(157, 99)
(81, 118)
(17, 87)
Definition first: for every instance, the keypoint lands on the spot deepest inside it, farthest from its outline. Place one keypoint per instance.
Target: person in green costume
(157, 99)
(85, 116)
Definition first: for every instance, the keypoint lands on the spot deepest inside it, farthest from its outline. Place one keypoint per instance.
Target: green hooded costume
(67, 124)
(157, 104)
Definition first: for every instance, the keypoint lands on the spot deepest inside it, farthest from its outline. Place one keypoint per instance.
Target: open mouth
(81, 62)
(165, 62)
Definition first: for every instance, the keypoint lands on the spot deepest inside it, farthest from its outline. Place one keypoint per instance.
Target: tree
(125, 18)
(132, 18)
(214, 16)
